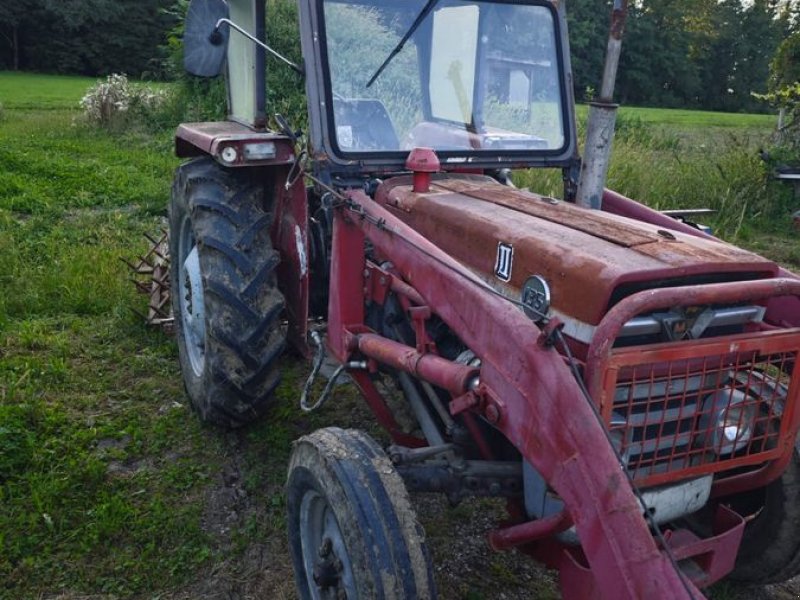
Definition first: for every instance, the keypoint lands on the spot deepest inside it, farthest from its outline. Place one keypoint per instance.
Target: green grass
(671, 159)
(106, 479)
(97, 492)
(685, 119)
(41, 92)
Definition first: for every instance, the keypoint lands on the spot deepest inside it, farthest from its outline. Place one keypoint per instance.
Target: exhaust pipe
(602, 119)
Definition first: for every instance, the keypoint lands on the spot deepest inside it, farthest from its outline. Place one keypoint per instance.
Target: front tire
(770, 549)
(225, 299)
(352, 531)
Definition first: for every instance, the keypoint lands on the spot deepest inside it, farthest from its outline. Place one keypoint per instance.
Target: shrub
(785, 148)
(115, 103)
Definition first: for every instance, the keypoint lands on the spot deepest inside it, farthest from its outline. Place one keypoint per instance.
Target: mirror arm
(230, 23)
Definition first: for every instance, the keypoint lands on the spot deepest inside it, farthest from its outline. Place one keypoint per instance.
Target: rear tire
(225, 299)
(770, 549)
(352, 531)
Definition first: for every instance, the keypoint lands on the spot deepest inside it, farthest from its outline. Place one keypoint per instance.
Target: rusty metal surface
(602, 118)
(562, 213)
(574, 249)
(448, 375)
(536, 403)
(618, 17)
(151, 278)
(784, 311)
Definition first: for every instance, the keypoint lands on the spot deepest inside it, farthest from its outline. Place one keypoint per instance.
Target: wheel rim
(192, 303)
(329, 572)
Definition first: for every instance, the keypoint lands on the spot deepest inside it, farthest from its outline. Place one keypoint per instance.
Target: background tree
(89, 37)
(588, 22)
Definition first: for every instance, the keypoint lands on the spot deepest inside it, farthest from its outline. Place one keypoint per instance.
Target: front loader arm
(528, 391)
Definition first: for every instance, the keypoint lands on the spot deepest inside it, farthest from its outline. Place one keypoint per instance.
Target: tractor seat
(363, 124)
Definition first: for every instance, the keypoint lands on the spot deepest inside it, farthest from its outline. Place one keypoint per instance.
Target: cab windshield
(471, 77)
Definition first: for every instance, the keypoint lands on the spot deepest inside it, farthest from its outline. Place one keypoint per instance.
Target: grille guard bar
(603, 363)
(642, 302)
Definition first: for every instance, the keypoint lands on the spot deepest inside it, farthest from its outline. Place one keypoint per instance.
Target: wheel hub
(193, 309)
(328, 568)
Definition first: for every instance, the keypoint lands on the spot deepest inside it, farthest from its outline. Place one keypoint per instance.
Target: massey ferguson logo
(505, 260)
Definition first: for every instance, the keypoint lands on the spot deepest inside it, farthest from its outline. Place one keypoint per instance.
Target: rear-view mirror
(205, 45)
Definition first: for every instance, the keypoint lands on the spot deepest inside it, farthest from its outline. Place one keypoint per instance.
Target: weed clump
(115, 103)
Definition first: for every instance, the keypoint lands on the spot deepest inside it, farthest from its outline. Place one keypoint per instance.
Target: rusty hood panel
(584, 255)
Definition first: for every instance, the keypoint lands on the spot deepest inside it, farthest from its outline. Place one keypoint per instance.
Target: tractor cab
(485, 84)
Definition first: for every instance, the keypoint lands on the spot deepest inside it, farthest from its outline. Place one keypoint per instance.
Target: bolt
(383, 280)
(494, 488)
(492, 413)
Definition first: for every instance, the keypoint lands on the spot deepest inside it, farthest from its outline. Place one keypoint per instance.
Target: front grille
(664, 404)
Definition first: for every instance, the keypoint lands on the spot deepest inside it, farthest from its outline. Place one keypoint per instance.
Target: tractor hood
(590, 259)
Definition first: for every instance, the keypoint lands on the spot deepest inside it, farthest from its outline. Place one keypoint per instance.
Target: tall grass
(667, 168)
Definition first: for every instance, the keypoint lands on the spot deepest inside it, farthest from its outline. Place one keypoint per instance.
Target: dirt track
(466, 568)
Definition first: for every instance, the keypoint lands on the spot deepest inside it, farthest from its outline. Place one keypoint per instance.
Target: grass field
(684, 119)
(109, 486)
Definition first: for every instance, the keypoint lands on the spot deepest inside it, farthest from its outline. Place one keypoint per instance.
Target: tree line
(85, 37)
(705, 54)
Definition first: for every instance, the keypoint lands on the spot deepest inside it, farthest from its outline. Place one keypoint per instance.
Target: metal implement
(151, 277)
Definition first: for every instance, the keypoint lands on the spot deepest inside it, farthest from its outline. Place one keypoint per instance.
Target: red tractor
(627, 382)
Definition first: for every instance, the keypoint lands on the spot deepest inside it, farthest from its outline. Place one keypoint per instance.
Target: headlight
(728, 421)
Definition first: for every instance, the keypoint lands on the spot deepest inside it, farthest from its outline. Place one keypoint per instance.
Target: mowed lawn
(87, 394)
(699, 118)
(109, 486)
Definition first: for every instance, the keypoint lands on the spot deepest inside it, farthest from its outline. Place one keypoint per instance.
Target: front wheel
(352, 531)
(770, 549)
